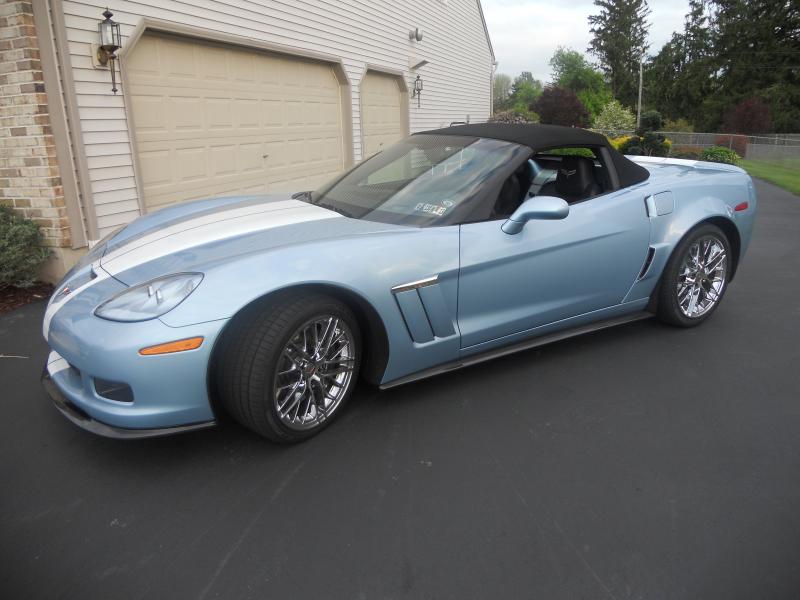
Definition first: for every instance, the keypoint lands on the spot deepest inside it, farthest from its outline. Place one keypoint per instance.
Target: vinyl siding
(359, 32)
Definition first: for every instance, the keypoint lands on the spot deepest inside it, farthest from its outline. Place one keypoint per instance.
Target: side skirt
(518, 347)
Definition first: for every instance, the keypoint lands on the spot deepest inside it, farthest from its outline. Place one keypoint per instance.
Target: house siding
(362, 34)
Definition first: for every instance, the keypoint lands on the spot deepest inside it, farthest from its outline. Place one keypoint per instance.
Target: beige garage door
(214, 120)
(381, 112)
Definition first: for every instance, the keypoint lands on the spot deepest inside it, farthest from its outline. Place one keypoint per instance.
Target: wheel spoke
(330, 332)
(715, 262)
(293, 393)
(337, 371)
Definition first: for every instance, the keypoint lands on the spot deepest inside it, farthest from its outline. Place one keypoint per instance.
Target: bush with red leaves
(560, 106)
(751, 116)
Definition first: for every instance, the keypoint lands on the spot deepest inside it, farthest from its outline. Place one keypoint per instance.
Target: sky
(525, 33)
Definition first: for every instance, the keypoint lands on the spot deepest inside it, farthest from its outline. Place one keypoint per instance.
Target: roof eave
(486, 30)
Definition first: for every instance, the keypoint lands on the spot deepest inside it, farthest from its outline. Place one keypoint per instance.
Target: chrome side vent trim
(651, 252)
(415, 285)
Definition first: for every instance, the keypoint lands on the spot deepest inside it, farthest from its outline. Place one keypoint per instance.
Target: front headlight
(150, 300)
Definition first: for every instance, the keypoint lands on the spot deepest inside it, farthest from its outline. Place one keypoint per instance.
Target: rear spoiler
(682, 162)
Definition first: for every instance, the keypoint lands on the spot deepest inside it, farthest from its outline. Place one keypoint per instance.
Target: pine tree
(681, 76)
(619, 42)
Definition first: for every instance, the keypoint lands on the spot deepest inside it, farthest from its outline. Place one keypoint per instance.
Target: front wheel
(288, 370)
(695, 278)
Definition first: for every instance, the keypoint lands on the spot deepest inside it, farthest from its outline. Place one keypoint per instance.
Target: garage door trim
(199, 34)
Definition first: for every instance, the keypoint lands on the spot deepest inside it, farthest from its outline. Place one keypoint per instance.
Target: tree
(756, 44)
(679, 78)
(572, 71)
(524, 92)
(619, 42)
(501, 90)
(560, 106)
(748, 117)
(784, 103)
(615, 118)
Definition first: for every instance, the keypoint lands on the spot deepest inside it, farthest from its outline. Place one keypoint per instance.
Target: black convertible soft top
(545, 137)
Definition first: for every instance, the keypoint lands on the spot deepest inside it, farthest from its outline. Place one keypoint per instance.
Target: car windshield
(419, 181)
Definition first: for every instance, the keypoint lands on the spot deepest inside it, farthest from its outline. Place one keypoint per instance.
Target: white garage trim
(404, 100)
(197, 34)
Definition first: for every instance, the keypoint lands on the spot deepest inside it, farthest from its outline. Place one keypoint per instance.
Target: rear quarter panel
(701, 191)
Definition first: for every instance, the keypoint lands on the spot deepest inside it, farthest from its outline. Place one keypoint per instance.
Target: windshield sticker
(432, 209)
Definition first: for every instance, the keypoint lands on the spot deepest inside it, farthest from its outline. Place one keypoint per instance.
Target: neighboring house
(217, 98)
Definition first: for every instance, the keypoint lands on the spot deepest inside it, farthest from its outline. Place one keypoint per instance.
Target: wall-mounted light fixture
(417, 91)
(415, 35)
(110, 42)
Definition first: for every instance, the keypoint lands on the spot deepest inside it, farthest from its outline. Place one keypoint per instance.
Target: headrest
(575, 175)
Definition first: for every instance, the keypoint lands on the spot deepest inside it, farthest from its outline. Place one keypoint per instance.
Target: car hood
(187, 236)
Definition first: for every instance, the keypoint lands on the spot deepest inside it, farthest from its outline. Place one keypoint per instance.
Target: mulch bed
(11, 298)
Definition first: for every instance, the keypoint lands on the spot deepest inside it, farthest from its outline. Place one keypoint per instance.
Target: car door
(551, 270)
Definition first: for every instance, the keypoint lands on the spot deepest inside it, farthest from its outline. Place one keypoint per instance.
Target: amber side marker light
(170, 347)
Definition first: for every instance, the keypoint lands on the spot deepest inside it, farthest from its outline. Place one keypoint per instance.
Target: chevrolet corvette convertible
(448, 248)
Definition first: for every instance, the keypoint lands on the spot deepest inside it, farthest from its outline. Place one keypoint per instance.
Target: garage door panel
(212, 120)
(186, 113)
(382, 104)
(149, 114)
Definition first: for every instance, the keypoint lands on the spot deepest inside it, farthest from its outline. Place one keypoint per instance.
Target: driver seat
(575, 180)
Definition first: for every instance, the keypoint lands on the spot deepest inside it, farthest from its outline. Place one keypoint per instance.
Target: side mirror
(545, 208)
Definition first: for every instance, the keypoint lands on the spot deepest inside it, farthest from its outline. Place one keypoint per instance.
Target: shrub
(651, 121)
(738, 143)
(655, 144)
(515, 116)
(687, 152)
(615, 117)
(681, 125)
(750, 116)
(650, 144)
(622, 144)
(559, 106)
(21, 253)
(720, 155)
(585, 152)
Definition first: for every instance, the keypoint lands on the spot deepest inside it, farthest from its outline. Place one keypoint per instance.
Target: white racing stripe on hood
(55, 306)
(211, 228)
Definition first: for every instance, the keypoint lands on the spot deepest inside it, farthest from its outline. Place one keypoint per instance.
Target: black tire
(669, 310)
(246, 371)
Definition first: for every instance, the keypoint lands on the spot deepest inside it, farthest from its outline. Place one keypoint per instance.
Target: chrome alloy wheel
(702, 276)
(314, 372)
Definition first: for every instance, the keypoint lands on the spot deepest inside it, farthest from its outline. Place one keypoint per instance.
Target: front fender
(367, 266)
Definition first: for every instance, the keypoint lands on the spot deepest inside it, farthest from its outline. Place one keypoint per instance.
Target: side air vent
(424, 310)
(651, 252)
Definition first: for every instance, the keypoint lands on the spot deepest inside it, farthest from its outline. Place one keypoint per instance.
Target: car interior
(572, 174)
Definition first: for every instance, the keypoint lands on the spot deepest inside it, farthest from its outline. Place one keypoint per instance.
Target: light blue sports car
(451, 247)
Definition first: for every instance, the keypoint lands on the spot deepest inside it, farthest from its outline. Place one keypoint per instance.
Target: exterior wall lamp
(110, 42)
(417, 92)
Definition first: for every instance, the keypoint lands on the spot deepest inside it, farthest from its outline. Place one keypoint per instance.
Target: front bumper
(84, 421)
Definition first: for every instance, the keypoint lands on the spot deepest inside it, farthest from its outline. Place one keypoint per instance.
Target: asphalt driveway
(641, 462)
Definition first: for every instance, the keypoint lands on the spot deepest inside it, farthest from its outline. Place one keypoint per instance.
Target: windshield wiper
(304, 196)
(308, 197)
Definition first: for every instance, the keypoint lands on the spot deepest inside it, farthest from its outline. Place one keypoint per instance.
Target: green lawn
(784, 173)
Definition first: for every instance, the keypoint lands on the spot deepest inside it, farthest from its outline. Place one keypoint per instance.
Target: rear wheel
(287, 370)
(695, 278)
